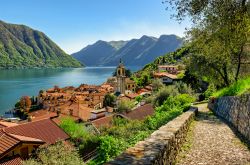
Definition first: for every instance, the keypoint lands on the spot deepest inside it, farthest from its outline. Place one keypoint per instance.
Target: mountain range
(135, 52)
(23, 47)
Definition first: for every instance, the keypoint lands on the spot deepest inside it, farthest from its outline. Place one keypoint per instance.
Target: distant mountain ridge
(23, 47)
(135, 52)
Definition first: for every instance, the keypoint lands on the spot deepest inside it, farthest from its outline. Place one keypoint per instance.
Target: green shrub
(164, 93)
(184, 88)
(157, 84)
(78, 133)
(109, 100)
(237, 88)
(125, 106)
(55, 154)
(171, 108)
(138, 98)
(210, 90)
(109, 147)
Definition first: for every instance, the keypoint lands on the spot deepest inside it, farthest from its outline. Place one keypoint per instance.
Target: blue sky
(73, 24)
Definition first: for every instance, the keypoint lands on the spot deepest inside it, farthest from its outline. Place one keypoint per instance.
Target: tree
(125, 106)
(109, 100)
(218, 38)
(164, 93)
(157, 84)
(55, 154)
(25, 103)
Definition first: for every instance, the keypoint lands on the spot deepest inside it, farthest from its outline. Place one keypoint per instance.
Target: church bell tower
(120, 75)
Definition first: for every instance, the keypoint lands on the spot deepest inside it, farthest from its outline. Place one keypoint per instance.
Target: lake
(22, 82)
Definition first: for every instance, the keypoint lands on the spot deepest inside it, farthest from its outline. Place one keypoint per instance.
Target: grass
(238, 88)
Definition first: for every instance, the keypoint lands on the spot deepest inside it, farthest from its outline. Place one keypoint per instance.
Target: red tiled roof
(142, 90)
(15, 160)
(2, 126)
(45, 130)
(165, 74)
(140, 113)
(7, 142)
(132, 95)
(149, 87)
(7, 124)
(42, 114)
(167, 66)
(104, 121)
(26, 139)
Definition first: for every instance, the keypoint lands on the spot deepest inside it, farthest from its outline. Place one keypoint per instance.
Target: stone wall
(161, 147)
(235, 110)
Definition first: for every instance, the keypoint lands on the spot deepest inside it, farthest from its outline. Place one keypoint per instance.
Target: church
(124, 84)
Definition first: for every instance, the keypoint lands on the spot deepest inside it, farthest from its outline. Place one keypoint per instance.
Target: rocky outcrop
(235, 110)
(161, 147)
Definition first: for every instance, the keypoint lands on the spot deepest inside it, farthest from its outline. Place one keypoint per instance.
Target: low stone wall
(161, 147)
(235, 110)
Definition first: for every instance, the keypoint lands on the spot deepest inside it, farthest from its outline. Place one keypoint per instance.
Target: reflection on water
(17, 83)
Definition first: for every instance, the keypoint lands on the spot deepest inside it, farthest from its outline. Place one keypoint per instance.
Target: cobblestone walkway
(212, 142)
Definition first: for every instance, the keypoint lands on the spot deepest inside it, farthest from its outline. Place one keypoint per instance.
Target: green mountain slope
(175, 57)
(23, 47)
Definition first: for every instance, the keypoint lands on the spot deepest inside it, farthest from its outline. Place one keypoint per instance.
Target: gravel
(213, 143)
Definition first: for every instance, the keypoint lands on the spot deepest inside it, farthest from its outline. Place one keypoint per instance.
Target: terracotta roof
(85, 113)
(149, 87)
(140, 113)
(7, 124)
(132, 95)
(42, 114)
(2, 126)
(143, 90)
(14, 160)
(165, 74)
(104, 121)
(167, 66)
(26, 139)
(7, 142)
(78, 110)
(45, 130)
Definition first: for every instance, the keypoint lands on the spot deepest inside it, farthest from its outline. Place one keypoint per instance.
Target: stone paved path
(212, 142)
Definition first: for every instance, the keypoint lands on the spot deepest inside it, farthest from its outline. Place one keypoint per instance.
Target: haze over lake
(21, 82)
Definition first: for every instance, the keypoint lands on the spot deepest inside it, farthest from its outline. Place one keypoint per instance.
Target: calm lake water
(17, 83)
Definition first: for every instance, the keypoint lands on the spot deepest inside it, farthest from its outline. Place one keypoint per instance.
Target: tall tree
(25, 103)
(219, 36)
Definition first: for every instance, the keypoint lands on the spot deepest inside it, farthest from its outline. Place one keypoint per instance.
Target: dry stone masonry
(161, 147)
(235, 110)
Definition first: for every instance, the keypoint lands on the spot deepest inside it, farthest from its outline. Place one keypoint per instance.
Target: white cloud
(123, 31)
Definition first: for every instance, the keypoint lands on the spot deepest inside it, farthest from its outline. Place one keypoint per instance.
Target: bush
(109, 147)
(78, 133)
(55, 154)
(171, 108)
(109, 100)
(125, 106)
(237, 88)
(139, 98)
(210, 90)
(164, 93)
(157, 84)
(183, 88)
